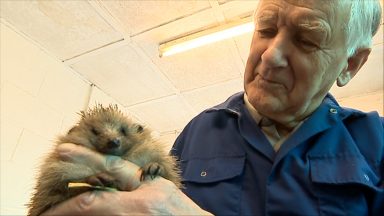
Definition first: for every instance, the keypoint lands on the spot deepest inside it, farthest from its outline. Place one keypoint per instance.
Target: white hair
(362, 23)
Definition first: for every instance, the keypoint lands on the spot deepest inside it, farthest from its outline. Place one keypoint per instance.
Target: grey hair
(363, 23)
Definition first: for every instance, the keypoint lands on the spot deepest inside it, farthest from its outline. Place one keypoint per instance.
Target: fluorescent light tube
(207, 36)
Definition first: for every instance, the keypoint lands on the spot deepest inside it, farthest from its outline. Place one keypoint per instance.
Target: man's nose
(276, 53)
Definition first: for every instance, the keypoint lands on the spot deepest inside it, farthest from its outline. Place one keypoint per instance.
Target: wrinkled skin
(297, 52)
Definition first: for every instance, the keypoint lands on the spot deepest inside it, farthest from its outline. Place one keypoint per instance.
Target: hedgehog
(108, 131)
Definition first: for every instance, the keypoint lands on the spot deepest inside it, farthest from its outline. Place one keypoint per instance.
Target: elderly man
(282, 147)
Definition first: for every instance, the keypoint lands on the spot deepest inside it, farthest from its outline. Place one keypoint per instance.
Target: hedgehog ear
(139, 128)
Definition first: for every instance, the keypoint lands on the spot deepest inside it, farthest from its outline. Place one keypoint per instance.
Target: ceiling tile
(203, 66)
(200, 67)
(69, 90)
(31, 57)
(124, 74)
(165, 114)
(168, 139)
(33, 146)
(10, 135)
(196, 68)
(64, 28)
(238, 8)
(223, 1)
(98, 96)
(175, 29)
(15, 100)
(243, 44)
(139, 16)
(203, 98)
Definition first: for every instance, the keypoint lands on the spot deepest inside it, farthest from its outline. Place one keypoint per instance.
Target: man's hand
(150, 197)
(154, 197)
(127, 173)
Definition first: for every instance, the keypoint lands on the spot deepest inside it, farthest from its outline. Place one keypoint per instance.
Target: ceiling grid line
(97, 51)
(26, 37)
(76, 58)
(115, 23)
(104, 13)
(152, 65)
(217, 11)
(168, 22)
(14, 150)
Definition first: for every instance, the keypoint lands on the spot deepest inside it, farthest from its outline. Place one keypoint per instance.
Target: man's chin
(267, 105)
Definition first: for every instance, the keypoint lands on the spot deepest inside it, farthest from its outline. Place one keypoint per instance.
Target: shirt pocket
(343, 184)
(214, 183)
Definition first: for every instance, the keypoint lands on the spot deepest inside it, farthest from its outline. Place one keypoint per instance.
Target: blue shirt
(332, 164)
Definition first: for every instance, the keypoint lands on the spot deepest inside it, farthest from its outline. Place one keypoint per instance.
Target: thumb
(127, 173)
(79, 205)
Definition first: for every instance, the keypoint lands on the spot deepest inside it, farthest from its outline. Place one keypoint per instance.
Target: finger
(75, 206)
(89, 203)
(126, 173)
(81, 155)
(160, 196)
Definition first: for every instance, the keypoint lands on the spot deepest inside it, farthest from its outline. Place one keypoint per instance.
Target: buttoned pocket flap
(205, 170)
(343, 170)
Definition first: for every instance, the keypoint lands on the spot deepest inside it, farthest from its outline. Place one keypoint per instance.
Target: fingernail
(63, 151)
(64, 147)
(114, 162)
(88, 199)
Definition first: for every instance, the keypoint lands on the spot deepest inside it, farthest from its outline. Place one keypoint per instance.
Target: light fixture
(206, 36)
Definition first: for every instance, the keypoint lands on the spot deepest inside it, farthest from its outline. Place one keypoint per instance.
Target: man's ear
(355, 62)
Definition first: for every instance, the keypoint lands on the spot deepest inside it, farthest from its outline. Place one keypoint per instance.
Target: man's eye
(307, 44)
(267, 33)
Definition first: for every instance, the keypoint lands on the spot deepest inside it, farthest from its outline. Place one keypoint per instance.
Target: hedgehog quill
(108, 131)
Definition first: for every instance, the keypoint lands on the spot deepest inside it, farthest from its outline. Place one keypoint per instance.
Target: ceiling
(114, 45)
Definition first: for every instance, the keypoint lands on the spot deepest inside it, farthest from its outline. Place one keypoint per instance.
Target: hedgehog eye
(95, 132)
(123, 131)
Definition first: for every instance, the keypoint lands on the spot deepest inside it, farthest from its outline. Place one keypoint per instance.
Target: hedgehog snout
(114, 143)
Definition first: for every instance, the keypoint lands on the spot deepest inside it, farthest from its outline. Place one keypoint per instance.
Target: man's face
(297, 52)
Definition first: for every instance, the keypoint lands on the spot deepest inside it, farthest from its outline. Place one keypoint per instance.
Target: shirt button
(366, 177)
(333, 110)
(203, 174)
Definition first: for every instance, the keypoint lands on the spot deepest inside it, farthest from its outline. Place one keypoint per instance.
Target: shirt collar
(234, 104)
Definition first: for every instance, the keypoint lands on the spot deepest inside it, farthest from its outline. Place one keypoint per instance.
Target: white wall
(368, 102)
(40, 97)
